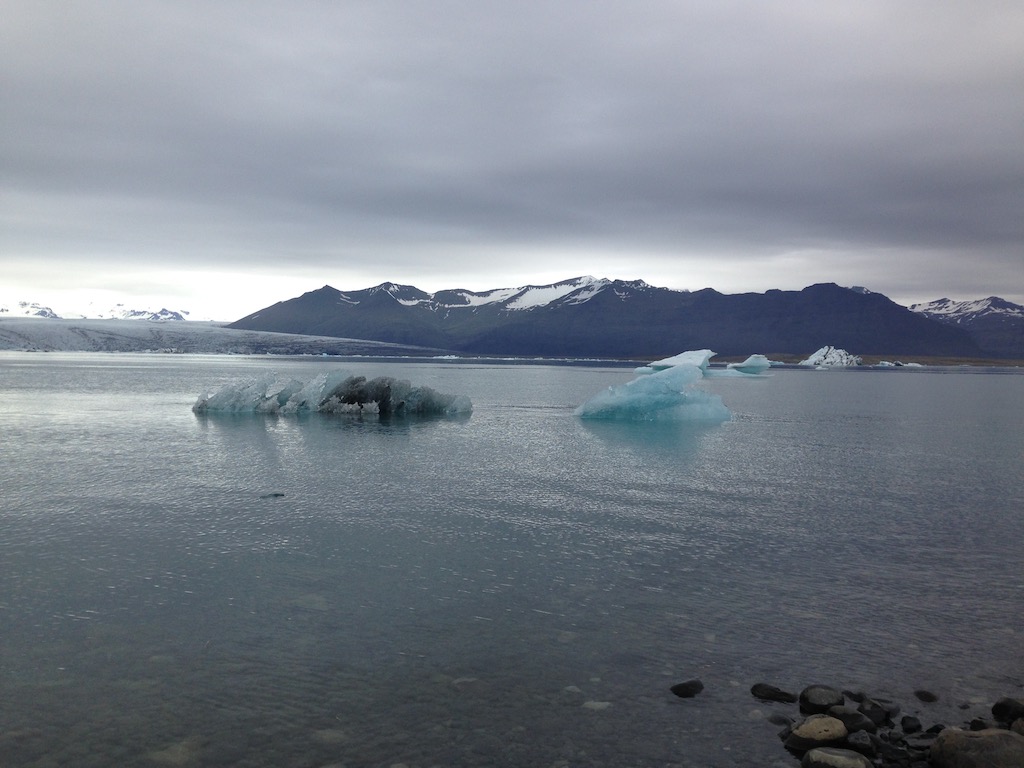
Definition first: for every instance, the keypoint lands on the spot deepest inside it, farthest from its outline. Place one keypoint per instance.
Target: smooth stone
(991, 748)
(816, 699)
(831, 757)
(815, 731)
(1007, 710)
(926, 696)
(910, 724)
(688, 689)
(877, 713)
(853, 719)
(862, 742)
(767, 692)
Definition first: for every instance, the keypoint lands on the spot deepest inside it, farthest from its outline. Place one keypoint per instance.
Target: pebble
(688, 689)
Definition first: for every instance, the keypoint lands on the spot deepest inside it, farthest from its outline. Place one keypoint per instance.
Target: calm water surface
(516, 588)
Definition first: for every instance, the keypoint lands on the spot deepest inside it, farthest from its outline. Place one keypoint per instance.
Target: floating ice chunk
(831, 357)
(664, 395)
(755, 364)
(696, 357)
(332, 393)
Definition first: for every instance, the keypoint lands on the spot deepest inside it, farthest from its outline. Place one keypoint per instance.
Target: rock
(815, 731)
(830, 757)
(910, 724)
(767, 692)
(862, 742)
(1018, 726)
(688, 689)
(926, 696)
(991, 748)
(1007, 710)
(978, 724)
(875, 711)
(816, 699)
(853, 719)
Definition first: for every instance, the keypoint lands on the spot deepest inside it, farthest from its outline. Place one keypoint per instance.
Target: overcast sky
(221, 156)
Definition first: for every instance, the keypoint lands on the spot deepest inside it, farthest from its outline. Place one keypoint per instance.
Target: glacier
(667, 394)
(334, 392)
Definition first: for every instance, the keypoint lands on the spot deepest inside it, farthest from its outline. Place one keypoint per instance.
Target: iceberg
(665, 395)
(332, 393)
(755, 364)
(831, 357)
(699, 358)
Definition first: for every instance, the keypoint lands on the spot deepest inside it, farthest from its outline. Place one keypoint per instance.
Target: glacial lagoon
(512, 587)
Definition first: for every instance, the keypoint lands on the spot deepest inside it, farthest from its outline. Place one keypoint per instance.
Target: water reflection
(680, 441)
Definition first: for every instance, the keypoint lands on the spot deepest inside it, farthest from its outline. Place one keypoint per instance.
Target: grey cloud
(391, 131)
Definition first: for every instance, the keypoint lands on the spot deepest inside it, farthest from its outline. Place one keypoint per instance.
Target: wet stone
(1006, 710)
(910, 724)
(990, 748)
(767, 692)
(926, 696)
(687, 689)
(816, 699)
(832, 757)
(862, 742)
(815, 731)
(853, 719)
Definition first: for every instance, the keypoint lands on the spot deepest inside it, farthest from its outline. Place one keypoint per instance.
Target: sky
(220, 157)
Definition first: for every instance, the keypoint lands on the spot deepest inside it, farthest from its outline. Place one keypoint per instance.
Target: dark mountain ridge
(588, 317)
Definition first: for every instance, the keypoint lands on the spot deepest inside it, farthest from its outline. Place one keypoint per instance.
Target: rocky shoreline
(851, 729)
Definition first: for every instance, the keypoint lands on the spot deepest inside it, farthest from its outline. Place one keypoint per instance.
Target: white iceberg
(755, 364)
(831, 357)
(699, 358)
(332, 393)
(663, 395)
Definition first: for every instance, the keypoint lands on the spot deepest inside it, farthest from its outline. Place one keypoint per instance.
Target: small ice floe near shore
(831, 357)
(666, 390)
(332, 393)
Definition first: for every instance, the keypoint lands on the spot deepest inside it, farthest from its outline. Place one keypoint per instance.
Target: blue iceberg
(665, 394)
(332, 393)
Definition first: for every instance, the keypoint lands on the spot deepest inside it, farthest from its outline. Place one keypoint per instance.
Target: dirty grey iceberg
(332, 393)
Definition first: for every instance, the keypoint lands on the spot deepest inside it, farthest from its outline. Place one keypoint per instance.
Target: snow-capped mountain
(995, 324)
(119, 312)
(587, 316)
(26, 309)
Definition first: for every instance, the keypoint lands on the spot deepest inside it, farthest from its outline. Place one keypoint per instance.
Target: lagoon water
(515, 588)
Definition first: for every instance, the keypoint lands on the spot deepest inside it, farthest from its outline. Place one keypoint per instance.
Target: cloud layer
(742, 145)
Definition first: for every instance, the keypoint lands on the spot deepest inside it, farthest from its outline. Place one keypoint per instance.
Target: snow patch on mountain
(539, 296)
(966, 311)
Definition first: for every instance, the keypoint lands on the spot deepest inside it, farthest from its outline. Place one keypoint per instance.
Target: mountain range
(119, 312)
(590, 317)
